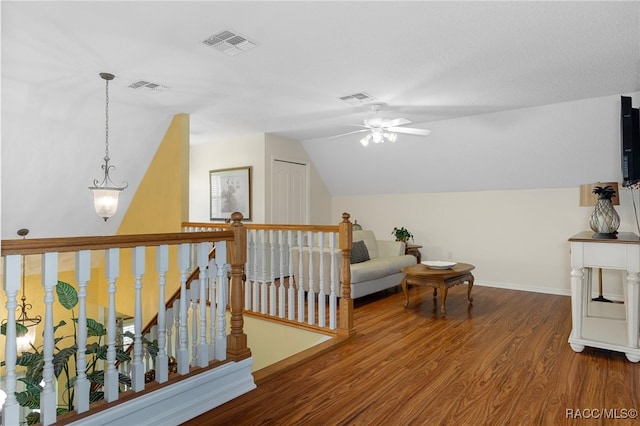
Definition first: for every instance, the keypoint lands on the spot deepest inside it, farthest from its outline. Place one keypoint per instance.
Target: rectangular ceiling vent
(358, 98)
(148, 86)
(229, 42)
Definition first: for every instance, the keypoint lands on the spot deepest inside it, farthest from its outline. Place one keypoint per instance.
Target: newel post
(237, 348)
(345, 237)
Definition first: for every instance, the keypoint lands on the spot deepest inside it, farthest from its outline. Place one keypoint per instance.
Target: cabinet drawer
(612, 256)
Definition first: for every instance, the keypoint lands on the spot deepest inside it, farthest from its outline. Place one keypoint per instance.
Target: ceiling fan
(381, 130)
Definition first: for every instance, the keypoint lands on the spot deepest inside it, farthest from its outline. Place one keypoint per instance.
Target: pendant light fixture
(105, 193)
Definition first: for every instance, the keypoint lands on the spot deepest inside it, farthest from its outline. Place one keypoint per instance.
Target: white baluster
(291, 292)
(311, 295)
(212, 273)
(221, 301)
(322, 300)
(82, 385)
(169, 332)
(162, 360)
(252, 283)
(48, 398)
(301, 283)
(193, 298)
(272, 276)
(137, 367)
(183, 349)
(112, 269)
(154, 332)
(333, 300)
(12, 271)
(176, 321)
(147, 356)
(281, 293)
(203, 263)
(257, 289)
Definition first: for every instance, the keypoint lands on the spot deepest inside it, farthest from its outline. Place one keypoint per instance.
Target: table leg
(443, 299)
(435, 292)
(469, 287)
(403, 284)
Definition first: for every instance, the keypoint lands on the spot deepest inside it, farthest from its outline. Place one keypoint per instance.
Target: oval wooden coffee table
(441, 279)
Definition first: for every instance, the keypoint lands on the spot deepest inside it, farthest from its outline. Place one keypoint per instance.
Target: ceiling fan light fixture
(365, 140)
(391, 137)
(377, 136)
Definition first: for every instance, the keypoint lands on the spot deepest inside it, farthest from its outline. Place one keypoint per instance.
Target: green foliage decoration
(402, 234)
(33, 360)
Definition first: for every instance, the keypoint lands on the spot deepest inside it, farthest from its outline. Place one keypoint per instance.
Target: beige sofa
(383, 270)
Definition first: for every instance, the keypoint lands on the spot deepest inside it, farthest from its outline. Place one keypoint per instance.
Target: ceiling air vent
(148, 86)
(229, 42)
(357, 98)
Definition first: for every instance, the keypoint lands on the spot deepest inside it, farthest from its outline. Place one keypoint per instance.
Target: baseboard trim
(533, 289)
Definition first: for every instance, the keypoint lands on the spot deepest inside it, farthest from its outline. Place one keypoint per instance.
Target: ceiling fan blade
(348, 133)
(396, 122)
(409, 131)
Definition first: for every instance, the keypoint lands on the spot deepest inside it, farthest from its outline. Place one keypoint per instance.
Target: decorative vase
(604, 220)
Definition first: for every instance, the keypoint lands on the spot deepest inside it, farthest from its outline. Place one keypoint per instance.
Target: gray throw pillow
(359, 252)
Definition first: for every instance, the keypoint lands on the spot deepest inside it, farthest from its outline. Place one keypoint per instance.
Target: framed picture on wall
(230, 191)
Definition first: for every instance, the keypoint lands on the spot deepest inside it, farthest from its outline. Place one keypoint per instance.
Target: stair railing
(214, 346)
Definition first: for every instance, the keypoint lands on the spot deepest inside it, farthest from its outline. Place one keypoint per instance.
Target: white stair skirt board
(182, 401)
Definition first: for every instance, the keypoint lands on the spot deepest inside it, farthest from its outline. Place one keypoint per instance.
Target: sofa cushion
(379, 267)
(369, 270)
(369, 239)
(359, 252)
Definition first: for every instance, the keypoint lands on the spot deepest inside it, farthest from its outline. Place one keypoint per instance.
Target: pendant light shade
(105, 193)
(105, 201)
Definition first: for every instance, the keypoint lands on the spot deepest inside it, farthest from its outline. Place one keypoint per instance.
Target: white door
(289, 199)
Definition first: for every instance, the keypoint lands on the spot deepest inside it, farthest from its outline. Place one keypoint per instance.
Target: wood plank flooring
(504, 360)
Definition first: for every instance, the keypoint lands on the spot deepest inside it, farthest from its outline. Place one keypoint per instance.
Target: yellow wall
(162, 199)
(159, 205)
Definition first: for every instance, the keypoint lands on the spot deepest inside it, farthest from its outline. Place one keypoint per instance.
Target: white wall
(517, 238)
(240, 152)
(256, 151)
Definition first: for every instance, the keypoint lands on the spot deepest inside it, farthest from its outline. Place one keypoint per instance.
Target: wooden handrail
(71, 244)
(270, 226)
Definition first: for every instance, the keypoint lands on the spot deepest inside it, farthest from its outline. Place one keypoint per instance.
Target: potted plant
(402, 234)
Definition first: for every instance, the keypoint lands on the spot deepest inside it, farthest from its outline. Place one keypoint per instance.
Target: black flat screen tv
(630, 141)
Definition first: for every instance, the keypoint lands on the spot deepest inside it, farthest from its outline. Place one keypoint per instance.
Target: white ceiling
(426, 60)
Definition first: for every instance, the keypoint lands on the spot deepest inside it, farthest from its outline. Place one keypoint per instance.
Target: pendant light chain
(106, 113)
(105, 192)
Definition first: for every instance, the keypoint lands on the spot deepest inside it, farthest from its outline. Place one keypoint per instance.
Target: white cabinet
(604, 325)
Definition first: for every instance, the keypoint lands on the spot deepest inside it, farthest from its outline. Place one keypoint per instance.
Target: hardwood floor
(504, 360)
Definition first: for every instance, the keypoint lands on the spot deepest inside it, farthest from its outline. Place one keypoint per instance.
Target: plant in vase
(604, 219)
(402, 234)
(33, 360)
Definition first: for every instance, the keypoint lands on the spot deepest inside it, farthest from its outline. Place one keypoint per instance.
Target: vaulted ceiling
(425, 60)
